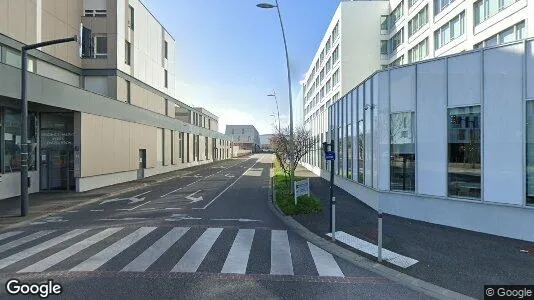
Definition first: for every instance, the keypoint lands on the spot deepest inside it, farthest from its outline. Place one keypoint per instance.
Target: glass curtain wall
(464, 163)
(339, 146)
(361, 141)
(402, 156)
(530, 153)
(12, 140)
(349, 135)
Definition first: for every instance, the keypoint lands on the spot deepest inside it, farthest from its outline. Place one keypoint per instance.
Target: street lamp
(24, 203)
(277, 109)
(291, 150)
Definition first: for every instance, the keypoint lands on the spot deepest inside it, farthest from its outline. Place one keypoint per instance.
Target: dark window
(131, 16)
(12, 140)
(166, 49)
(128, 92)
(166, 75)
(127, 52)
(402, 151)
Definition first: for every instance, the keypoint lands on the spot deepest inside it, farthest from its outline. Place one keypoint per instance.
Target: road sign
(302, 188)
(330, 155)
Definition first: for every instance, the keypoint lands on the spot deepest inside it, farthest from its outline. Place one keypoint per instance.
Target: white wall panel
(94, 4)
(530, 69)
(503, 125)
(465, 73)
(368, 136)
(97, 84)
(382, 138)
(431, 138)
(402, 89)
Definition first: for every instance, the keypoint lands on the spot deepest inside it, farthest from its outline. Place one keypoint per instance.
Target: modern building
(265, 141)
(398, 32)
(244, 136)
(449, 140)
(102, 113)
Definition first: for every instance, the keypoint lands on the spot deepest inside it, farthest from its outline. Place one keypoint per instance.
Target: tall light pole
(277, 110)
(24, 203)
(291, 146)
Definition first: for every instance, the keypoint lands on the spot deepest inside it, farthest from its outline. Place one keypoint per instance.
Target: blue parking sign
(330, 155)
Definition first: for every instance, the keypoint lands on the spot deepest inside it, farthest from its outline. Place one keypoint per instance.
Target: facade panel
(465, 79)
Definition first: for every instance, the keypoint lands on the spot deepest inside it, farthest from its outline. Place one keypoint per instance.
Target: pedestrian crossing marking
(6, 235)
(105, 255)
(107, 244)
(196, 254)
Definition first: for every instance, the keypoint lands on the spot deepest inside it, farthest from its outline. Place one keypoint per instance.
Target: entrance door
(142, 164)
(57, 170)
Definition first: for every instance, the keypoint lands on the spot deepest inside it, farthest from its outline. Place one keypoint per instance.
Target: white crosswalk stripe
(6, 235)
(105, 255)
(102, 245)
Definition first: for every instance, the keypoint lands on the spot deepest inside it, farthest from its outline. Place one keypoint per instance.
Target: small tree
(280, 143)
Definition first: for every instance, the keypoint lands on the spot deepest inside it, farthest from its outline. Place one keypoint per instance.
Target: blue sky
(230, 54)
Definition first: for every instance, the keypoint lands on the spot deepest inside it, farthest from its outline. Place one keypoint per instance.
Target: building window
(127, 52)
(418, 52)
(328, 45)
(321, 76)
(335, 78)
(485, 9)
(328, 66)
(166, 78)
(361, 143)
(95, 13)
(450, 31)
(101, 46)
(399, 61)
(440, 5)
(412, 3)
(396, 40)
(402, 152)
(418, 21)
(166, 49)
(349, 136)
(396, 14)
(464, 164)
(510, 34)
(321, 56)
(384, 47)
(328, 86)
(384, 23)
(128, 92)
(335, 32)
(335, 55)
(131, 17)
(12, 140)
(530, 153)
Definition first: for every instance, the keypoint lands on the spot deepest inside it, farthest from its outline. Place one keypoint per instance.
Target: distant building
(265, 141)
(244, 136)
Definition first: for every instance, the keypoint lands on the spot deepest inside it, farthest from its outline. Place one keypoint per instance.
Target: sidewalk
(456, 259)
(43, 203)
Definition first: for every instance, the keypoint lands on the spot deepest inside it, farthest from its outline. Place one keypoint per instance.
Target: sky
(230, 55)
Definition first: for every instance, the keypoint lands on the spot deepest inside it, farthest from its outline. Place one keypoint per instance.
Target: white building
(244, 136)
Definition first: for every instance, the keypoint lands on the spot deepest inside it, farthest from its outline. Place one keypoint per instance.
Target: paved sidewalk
(44, 203)
(459, 260)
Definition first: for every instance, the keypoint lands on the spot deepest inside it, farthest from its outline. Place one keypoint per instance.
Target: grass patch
(285, 200)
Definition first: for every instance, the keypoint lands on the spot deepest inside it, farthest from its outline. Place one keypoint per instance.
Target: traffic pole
(379, 235)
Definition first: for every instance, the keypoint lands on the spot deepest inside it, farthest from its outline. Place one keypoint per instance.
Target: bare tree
(280, 143)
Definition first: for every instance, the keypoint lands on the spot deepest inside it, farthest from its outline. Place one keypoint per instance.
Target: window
(101, 46)
(418, 52)
(166, 49)
(361, 142)
(328, 44)
(485, 9)
(402, 152)
(328, 66)
(349, 141)
(335, 78)
(418, 21)
(464, 167)
(399, 61)
(440, 5)
(335, 55)
(128, 92)
(166, 78)
(131, 15)
(243, 131)
(95, 13)
(384, 47)
(530, 153)
(322, 92)
(396, 41)
(335, 32)
(12, 140)
(450, 31)
(511, 34)
(396, 14)
(328, 86)
(384, 23)
(127, 52)
(321, 75)
(412, 3)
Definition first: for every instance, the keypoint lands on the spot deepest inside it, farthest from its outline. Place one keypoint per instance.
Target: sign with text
(302, 188)
(330, 155)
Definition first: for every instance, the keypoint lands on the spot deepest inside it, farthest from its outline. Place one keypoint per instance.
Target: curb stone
(413, 283)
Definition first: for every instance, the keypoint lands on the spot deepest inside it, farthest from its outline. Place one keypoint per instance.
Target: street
(208, 234)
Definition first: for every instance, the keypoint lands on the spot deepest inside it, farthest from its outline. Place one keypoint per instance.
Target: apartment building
(244, 136)
(102, 112)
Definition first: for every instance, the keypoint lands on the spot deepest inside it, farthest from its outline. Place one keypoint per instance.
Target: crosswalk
(165, 249)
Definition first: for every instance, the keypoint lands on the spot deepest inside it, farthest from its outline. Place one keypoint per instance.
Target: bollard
(379, 236)
(333, 218)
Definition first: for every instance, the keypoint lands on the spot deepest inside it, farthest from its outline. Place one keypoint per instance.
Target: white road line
(196, 254)
(147, 258)
(41, 247)
(281, 263)
(24, 240)
(239, 163)
(105, 255)
(372, 249)
(237, 259)
(60, 256)
(130, 209)
(136, 196)
(94, 210)
(9, 234)
(325, 263)
(216, 197)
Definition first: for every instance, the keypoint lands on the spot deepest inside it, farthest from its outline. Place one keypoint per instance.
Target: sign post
(301, 188)
(331, 156)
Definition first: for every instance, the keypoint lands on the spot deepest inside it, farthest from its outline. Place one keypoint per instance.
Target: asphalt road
(209, 234)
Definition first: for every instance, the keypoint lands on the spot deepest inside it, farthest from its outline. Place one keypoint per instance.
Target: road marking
(60, 256)
(180, 217)
(196, 254)
(238, 220)
(9, 234)
(130, 209)
(229, 175)
(24, 240)
(216, 197)
(147, 258)
(41, 247)
(133, 199)
(372, 249)
(105, 255)
(55, 219)
(237, 259)
(324, 262)
(123, 219)
(194, 199)
(281, 263)
(254, 172)
(96, 210)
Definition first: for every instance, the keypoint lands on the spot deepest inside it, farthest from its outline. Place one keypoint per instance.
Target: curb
(413, 283)
(93, 200)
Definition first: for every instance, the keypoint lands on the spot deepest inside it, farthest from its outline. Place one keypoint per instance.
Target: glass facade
(530, 153)
(349, 136)
(464, 152)
(11, 140)
(402, 151)
(361, 141)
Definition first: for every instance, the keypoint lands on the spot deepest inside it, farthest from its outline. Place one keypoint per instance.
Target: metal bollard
(334, 219)
(379, 236)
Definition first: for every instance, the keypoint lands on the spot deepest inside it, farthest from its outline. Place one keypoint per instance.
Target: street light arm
(48, 43)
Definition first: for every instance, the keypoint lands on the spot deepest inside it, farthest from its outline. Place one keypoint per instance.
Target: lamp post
(277, 109)
(24, 203)
(291, 146)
